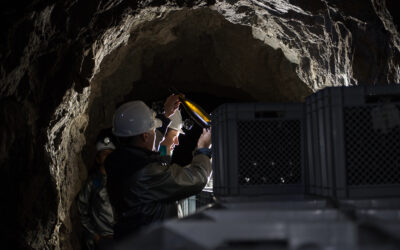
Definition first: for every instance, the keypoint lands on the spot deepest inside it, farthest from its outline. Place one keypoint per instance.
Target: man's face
(171, 140)
(102, 155)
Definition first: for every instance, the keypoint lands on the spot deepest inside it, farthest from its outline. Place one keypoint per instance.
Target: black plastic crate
(357, 140)
(258, 149)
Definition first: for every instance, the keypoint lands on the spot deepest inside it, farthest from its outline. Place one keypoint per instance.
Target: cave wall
(62, 70)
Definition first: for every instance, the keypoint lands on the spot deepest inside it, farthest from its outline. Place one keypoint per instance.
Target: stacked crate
(342, 145)
(353, 142)
(258, 149)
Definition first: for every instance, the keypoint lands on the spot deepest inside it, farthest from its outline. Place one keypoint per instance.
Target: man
(171, 140)
(144, 187)
(93, 202)
(170, 106)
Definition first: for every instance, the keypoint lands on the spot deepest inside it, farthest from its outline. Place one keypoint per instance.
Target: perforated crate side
(366, 159)
(260, 133)
(380, 145)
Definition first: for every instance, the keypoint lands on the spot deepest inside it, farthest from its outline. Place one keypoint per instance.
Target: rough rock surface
(65, 65)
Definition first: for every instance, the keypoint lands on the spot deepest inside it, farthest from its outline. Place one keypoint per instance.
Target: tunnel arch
(307, 45)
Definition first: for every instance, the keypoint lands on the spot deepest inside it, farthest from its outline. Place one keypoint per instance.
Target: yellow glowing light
(197, 111)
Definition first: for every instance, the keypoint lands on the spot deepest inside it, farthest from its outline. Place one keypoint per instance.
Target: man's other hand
(205, 139)
(171, 105)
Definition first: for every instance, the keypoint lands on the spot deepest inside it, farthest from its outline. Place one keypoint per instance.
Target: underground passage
(254, 67)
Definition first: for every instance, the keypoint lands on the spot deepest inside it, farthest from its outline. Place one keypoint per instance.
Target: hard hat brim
(181, 132)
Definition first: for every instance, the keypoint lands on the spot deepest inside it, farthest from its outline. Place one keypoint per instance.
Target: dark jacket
(144, 187)
(94, 206)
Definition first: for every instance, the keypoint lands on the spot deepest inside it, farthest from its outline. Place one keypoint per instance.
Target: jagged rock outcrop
(64, 66)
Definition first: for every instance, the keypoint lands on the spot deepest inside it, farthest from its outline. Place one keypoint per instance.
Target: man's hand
(171, 105)
(205, 139)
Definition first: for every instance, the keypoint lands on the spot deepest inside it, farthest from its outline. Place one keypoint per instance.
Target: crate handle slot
(269, 114)
(382, 98)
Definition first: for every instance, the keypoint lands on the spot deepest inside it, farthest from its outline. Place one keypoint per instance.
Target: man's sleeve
(83, 203)
(173, 182)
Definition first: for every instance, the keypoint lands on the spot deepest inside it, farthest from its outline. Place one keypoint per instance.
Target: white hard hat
(134, 118)
(176, 122)
(105, 143)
